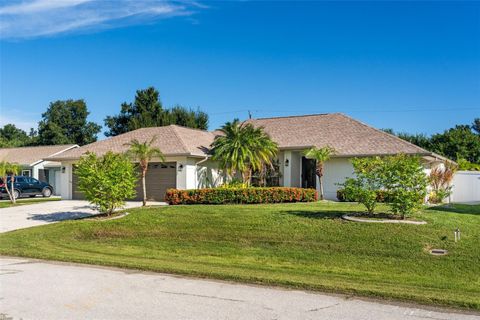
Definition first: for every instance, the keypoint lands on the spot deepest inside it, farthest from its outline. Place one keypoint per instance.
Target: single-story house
(34, 164)
(188, 164)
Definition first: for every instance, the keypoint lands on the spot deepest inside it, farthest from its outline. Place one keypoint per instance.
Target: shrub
(441, 181)
(404, 177)
(240, 195)
(383, 196)
(106, 181)
(368, 180)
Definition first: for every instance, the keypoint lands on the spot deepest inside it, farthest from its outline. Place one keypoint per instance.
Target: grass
(298, 245)
(20, 202)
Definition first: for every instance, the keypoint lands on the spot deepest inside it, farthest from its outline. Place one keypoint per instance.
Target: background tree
(320, 155)
(147, 111)
(143, 152)
(106, 181)
(476, 125)
(65, 122)
(243, 148)
(460, 143)
(11, 136)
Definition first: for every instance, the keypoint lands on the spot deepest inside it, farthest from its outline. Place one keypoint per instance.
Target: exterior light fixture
(287, 162)
(180, 167)
(63, 169)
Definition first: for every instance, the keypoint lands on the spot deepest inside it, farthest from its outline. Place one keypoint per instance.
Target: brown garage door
(76, 194)
(160, 177)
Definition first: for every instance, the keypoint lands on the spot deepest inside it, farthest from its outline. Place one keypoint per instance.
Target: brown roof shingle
(29, 155)
(172, 140)
(347, 136)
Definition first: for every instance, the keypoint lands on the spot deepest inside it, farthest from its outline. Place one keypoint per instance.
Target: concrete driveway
(35, 289)
(29, 215)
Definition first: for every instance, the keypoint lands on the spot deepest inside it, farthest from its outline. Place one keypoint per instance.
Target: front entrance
(309, 178)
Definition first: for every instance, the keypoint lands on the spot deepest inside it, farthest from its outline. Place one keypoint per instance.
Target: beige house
(188, 165)
(34, 164)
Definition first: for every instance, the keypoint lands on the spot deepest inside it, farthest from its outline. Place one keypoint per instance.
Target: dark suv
(26, 186)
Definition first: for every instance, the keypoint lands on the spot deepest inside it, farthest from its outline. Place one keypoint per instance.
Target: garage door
(76, 194)
(160, 177)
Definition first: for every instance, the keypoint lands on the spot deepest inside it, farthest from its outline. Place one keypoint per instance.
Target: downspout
(196, 170)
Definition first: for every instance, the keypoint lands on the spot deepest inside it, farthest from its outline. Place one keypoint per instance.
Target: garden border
(366, 220)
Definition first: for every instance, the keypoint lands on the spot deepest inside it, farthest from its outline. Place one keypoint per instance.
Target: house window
(26, 173)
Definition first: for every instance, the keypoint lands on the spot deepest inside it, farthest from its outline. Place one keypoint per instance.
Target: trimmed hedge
(240, 195)
(382, 196)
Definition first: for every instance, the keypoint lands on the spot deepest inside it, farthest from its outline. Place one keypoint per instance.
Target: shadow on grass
(458, 208)
(316, 214)
(59, 216)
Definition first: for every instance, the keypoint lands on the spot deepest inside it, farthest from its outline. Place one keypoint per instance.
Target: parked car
(26, 186)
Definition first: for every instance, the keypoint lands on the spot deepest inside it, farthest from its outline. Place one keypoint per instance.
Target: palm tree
(143, 152)
(4, 170)
(14, 170)
(243, 148)
(320, 155)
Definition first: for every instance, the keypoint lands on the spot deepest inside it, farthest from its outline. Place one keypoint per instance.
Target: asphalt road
(33, 289)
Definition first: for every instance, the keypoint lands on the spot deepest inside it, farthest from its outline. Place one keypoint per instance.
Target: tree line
(66, 121)
(460, 143)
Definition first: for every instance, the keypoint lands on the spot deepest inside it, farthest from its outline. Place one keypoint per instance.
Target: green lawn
(20, 202)
(295, 245)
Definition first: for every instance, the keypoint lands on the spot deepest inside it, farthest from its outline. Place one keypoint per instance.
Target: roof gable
(172, 140)
(32, 155)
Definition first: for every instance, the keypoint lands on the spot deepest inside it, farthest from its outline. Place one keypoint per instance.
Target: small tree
(404, 178)
(107, 181)
(4, 171)
(441, 181)
(367, 182)
(14, 169)
(143, 152)
(320, 155)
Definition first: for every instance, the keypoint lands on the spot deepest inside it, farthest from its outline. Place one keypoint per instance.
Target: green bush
(383, 196)
(240, 195)
(106, 181)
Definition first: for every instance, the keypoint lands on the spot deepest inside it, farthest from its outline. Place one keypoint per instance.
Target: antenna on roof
(249, 115)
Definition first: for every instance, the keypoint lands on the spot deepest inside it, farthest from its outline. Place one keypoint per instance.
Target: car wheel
(46, 192)
(16, 194)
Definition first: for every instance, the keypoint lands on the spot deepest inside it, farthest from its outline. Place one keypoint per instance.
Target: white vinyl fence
(466, 186)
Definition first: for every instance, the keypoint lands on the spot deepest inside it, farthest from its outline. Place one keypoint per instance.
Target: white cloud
(36, 18)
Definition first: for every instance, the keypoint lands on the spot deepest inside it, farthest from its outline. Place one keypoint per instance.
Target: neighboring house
(188, 165)
(33, 163)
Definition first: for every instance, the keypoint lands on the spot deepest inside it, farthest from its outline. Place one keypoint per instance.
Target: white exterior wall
(66, 180)
(296, 169)
(208, 175)
(335, 171)
(466, 187)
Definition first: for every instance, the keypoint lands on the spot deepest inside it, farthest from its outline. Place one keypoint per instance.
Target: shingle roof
(172, 140)
(347, 136)
(30, 155)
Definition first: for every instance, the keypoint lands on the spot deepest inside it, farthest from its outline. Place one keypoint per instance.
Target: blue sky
(410, 66)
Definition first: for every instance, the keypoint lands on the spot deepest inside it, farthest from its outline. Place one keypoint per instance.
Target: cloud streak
(40, 18)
